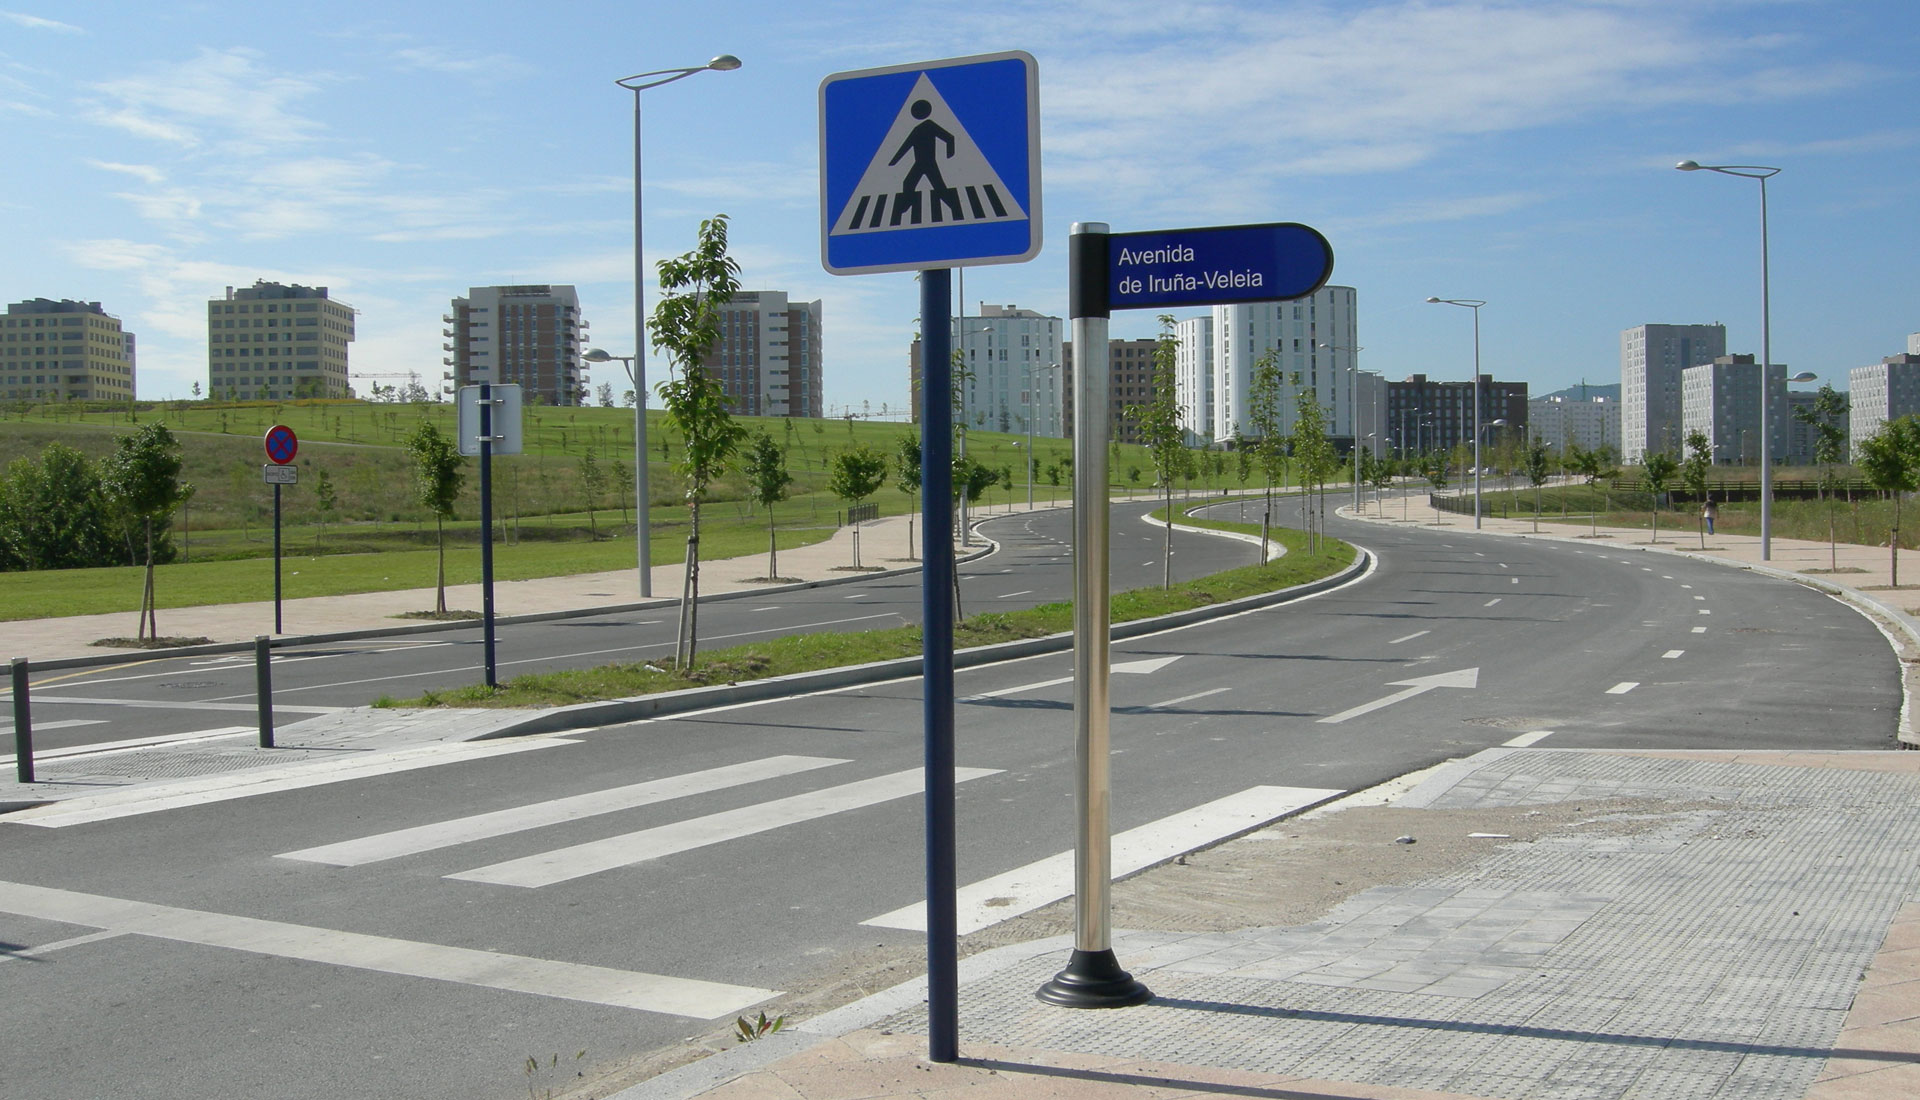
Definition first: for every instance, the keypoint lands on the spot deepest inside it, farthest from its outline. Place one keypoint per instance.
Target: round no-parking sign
(281, 444)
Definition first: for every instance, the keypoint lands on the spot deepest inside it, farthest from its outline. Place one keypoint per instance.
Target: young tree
(593, 482)
(1317, 459)
(325, 495)
(1826, 415)
(1159, 421)
(906, 473)
(142, 476)
(604, 393)
(1695, 472)
(686, 324)
(1270, 447)
(1891, 460)
(623, 485)
(857, 473)
(436, 485)
(1658, 470)
(196, 391)
(1538, 467)
(765, 467)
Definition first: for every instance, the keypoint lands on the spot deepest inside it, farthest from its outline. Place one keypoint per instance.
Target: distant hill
(1588, 392)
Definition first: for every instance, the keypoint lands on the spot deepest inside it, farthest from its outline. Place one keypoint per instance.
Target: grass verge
(812, 652)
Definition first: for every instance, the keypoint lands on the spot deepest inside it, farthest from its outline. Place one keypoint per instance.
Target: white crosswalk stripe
(445, 834)
(580, 860)
(1024, 889)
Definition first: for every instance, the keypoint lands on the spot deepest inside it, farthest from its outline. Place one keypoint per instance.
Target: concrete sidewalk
(1703, 925)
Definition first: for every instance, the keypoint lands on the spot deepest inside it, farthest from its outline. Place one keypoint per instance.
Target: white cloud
(35, 23)
(438, 59)
(146, 173)
(220, 97)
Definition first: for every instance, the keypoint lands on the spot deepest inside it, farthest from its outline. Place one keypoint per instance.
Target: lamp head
(1688, 166)
(1433, 301)
(1804, 376)
(1500, 423)
(725, 63)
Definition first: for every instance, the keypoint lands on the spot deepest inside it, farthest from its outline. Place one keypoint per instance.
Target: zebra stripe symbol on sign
(927, 172)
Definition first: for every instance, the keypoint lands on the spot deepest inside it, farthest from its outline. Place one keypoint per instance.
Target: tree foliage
(765, 467)
(1890, 459)
(437, 477)
(142, 478)
(1159, 424)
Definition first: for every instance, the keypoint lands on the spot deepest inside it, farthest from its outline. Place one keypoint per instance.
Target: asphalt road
(185, 696)
(773, 834)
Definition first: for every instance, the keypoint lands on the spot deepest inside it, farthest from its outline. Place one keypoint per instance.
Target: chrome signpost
(928, 167)
(1213, 265)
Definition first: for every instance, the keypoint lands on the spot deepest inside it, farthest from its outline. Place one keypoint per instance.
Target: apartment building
(276, 342)
(1426, 415)
(64, 351)
(1885, 391)
(1560, 421)
(1651, 359)
(530, 335)
(767, 359)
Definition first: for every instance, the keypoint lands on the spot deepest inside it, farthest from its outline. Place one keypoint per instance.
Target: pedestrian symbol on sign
(927, 171)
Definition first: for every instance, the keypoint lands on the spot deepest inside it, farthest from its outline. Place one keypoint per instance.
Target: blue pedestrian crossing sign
(930, 165)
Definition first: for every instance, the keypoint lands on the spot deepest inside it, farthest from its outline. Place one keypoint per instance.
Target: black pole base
(1094, 979)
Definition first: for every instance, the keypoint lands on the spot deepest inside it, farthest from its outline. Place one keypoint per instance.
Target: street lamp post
(1763, 174)
(1473, 304)
(1353, 413)
(638, 366)
(644, 547)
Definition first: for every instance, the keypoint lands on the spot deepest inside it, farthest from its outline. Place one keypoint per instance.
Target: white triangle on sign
(927, 172)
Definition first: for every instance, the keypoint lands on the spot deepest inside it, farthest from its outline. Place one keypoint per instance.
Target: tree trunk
(149, 622)
(440, 565)
(773, 550)
(690, 591)
(1166, 567)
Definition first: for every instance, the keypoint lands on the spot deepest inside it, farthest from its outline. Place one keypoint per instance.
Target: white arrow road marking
(445, 834)
(1465, 678)
(581, 860)
(1146, 665)
(411, 958)
(1025, 889)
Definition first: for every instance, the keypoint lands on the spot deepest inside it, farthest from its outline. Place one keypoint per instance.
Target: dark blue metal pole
(936, 611)
(22, 723)
(263, 685)
(486, 524)
(276, 559)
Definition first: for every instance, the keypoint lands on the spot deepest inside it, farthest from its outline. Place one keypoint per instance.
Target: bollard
(22, 722)
(263, 686)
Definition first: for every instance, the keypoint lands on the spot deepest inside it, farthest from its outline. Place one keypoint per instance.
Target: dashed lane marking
(1672, 654)
(1623, 687)
(1164, 703)
(1010, 595)
(1410, 637)
(1491, 602)
(1699, 630)
(382, 954)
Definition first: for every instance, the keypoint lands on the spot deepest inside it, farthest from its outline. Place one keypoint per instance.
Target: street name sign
(280, 475)
(1216, 265)
(507, 435)
(931, 165)
(282, 445)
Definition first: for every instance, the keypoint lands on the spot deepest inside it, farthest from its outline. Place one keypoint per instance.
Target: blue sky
(1517, 152)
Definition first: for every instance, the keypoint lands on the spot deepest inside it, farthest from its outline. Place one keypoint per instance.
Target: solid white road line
(411, 958)
(176, 704)
(462, 830)
(155, 797)
(1672, 653)
(1623, 687)
(1010, 595)
(1527, 739)
(134, 744)
(1411, 637)
(1024, 889)
(580, 860)
(6, 728)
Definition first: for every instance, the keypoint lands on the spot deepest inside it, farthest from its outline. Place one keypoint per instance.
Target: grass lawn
(810, 652)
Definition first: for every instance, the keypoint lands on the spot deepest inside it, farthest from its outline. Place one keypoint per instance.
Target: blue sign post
(929, 167)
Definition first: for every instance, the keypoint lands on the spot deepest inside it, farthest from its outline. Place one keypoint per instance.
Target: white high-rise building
(1558, 420)
(1006, 352)
(1885, 391)
(1193, 377)
(1297, 331)
(1913, 343)
(272, 341)
(1651, 359)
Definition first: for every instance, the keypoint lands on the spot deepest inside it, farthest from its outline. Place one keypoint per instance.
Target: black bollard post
(263, 686)
(22, 722)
